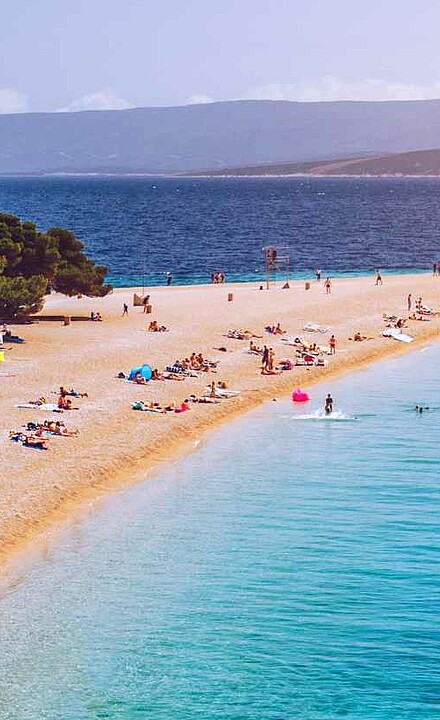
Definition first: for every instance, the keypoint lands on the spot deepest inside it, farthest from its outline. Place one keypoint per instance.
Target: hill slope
(417, 162)
(212, 136)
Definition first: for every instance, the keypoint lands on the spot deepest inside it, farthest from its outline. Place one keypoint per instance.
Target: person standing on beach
(169, 279)
(269, 364)
(124, 309)
(434, 269)
(378, 277)
(332, 343)
(318, 274)
(328, 286)
(145, 302)
(265, 358)
(409, 301)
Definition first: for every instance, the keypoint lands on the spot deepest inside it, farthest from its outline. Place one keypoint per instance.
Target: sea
(289, 568)
(143, 227)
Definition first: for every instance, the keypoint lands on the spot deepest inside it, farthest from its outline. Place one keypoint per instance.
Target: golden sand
(118, 446)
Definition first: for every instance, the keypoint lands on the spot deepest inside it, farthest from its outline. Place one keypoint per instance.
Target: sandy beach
(118, 446)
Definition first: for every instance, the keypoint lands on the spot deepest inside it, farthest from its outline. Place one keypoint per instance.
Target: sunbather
(139, 379)
(74, 393)
(255, 349)
(183, 407)
(35, 442)
(155, 327)
(157, 375)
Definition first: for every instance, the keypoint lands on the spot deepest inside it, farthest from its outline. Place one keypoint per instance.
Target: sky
(114, 54)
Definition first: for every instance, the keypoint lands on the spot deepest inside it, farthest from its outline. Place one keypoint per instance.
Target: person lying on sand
(173, 376)
(57, 428)
(275, 329)
(148, 407)
(29, 440)
(255, 349)
(242, 334)
(139, 379)
(204, 400)
(420, 318)
(183, 407)
(39, 401)
(357, 337)
(74, 393)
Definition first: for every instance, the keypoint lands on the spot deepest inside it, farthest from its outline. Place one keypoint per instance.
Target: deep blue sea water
(143, 227)
(289, 568)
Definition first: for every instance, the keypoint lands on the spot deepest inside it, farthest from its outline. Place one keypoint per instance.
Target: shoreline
(126, 458)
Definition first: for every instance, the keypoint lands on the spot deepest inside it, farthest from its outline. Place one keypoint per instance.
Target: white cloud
(199, 100)
(12, 101)
(333, 88)
(100, 100)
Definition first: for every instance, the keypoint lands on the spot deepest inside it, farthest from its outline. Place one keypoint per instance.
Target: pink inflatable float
(299, 396)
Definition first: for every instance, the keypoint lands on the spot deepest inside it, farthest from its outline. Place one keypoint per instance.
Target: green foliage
(21, 297)
(32, 263)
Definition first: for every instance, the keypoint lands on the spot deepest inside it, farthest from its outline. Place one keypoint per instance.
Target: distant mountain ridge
(415, 163)
(213, 136)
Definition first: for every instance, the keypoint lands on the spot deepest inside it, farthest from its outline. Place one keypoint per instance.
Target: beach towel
(314, 327)
(178, 370)
(397, 335)
(221, 392)
(32, 406)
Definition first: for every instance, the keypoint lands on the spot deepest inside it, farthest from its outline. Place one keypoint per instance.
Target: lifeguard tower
(276, 260)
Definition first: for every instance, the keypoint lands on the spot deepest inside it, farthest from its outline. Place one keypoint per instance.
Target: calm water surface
(288, 569)
(143, 227)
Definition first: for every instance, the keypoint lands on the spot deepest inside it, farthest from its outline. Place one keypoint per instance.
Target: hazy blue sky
(110, 53)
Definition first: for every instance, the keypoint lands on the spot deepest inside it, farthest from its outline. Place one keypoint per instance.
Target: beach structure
(276, 260)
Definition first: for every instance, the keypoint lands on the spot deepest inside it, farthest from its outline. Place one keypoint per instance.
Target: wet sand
(118, 446)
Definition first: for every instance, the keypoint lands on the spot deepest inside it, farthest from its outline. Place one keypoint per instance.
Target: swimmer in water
(328, 405)
(420, 408)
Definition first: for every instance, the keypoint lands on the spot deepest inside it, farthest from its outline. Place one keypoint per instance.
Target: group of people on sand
(64, 395)
(196, 362)
(327, 283)
(95, 316)
(155, 407)
(267, 362)
(35, 434)
(155, 327)
(275, 329)
(218, 278)
(241, 335)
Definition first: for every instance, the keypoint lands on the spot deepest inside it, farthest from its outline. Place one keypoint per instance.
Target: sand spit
(118, 446)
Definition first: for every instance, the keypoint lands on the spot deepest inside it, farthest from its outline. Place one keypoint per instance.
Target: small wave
(335, 416)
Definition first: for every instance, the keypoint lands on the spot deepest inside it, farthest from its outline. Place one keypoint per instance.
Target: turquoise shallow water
(287, 569)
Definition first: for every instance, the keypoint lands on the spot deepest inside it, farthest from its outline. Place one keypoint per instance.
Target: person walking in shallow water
(328, 407)
(379, 277)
